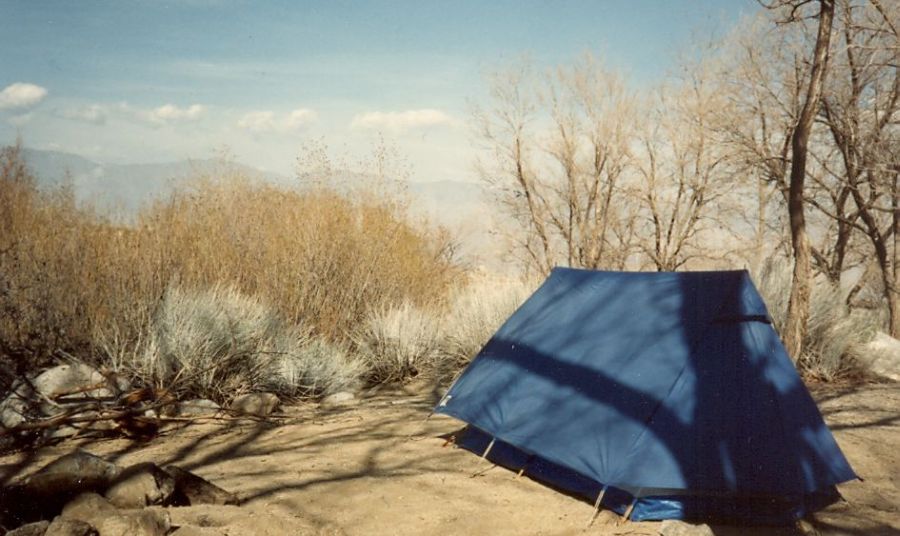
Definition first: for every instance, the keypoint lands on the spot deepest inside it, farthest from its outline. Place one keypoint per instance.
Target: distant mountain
(121, 189)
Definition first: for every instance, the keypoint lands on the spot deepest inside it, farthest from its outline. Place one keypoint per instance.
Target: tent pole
(630, 508)
(488, 449)
(597, 506)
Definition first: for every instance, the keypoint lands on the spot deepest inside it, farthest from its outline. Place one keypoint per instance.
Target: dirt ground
(378, 467)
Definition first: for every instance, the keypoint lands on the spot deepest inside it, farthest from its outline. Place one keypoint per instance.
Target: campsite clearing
(380, 468)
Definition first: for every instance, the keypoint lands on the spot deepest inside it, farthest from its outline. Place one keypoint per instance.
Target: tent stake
(488, 449)
(597, 506)
(522, 470)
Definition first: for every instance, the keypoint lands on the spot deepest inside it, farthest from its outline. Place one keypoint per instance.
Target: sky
(141, 82)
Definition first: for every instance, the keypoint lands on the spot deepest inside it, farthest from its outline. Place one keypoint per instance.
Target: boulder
(61, 526)
(38, 528)
(141, 485)
(672, 527)
(191, 489)
(255, 404)
(342, 398)
(147, 522)
(76, 379)
(71, 474)
(29, 400)
(882, 356)
(88, 508)
(197, 408)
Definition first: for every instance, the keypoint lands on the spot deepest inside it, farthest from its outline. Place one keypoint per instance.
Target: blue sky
(134, 82)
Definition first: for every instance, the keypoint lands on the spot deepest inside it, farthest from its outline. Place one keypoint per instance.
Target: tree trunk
(893, 291)
(801, 283)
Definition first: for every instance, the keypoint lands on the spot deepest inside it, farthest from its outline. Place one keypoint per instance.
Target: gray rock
(881, 356)
(148, 522)
(61, 526)
(255, 404)
(69, 430)
(671, 527)
(341, 398)
(17, 408)
(32, 529)
(29, 400)
(88, 508)
(191, 489)
(76, 379)
(70, 474)
(197, 408)
(141, 485)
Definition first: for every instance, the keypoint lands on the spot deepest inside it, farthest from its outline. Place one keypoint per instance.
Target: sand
(379, 467)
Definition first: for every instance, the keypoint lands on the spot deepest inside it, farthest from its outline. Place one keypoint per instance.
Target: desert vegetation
(232, 286)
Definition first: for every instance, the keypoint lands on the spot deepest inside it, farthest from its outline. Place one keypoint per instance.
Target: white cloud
(261, 121)
(21, 95)
(299, 118)
(400, 121)
(93, 113)
(267, 121)
(170, 113)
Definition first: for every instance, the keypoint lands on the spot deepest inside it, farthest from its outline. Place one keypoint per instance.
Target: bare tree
(801, 283)
(685, 173)
(558, 148)
(861, 110)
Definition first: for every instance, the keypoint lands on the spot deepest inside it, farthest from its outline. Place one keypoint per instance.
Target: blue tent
(669, 394)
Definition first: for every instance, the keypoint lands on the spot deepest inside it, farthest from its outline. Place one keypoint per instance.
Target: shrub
(398, 343)
(218, 343)
(316, 255)
(314, 367)
(834, 332)
(72, 282)
(476, 312)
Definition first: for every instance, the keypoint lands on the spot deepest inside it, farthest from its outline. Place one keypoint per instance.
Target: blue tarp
(671, 389)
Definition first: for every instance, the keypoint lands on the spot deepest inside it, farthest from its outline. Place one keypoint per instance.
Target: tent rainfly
(655, 395)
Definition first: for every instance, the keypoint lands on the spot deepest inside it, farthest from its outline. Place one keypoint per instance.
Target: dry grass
(406, 341)
(319, 259)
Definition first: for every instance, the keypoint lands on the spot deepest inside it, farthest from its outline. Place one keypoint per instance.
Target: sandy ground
(378, 467)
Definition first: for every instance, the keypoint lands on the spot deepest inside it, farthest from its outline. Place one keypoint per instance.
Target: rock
(255, 404)
(197, 408)
(89, 508)
(68, 430)
(671, 527)
(191, 489)
(71, 474)
(16, 407)
(148, 522)
(341, 398)
(61, 526)
(141, 485)
(28, 400)
(37, 528)
(882, 356)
